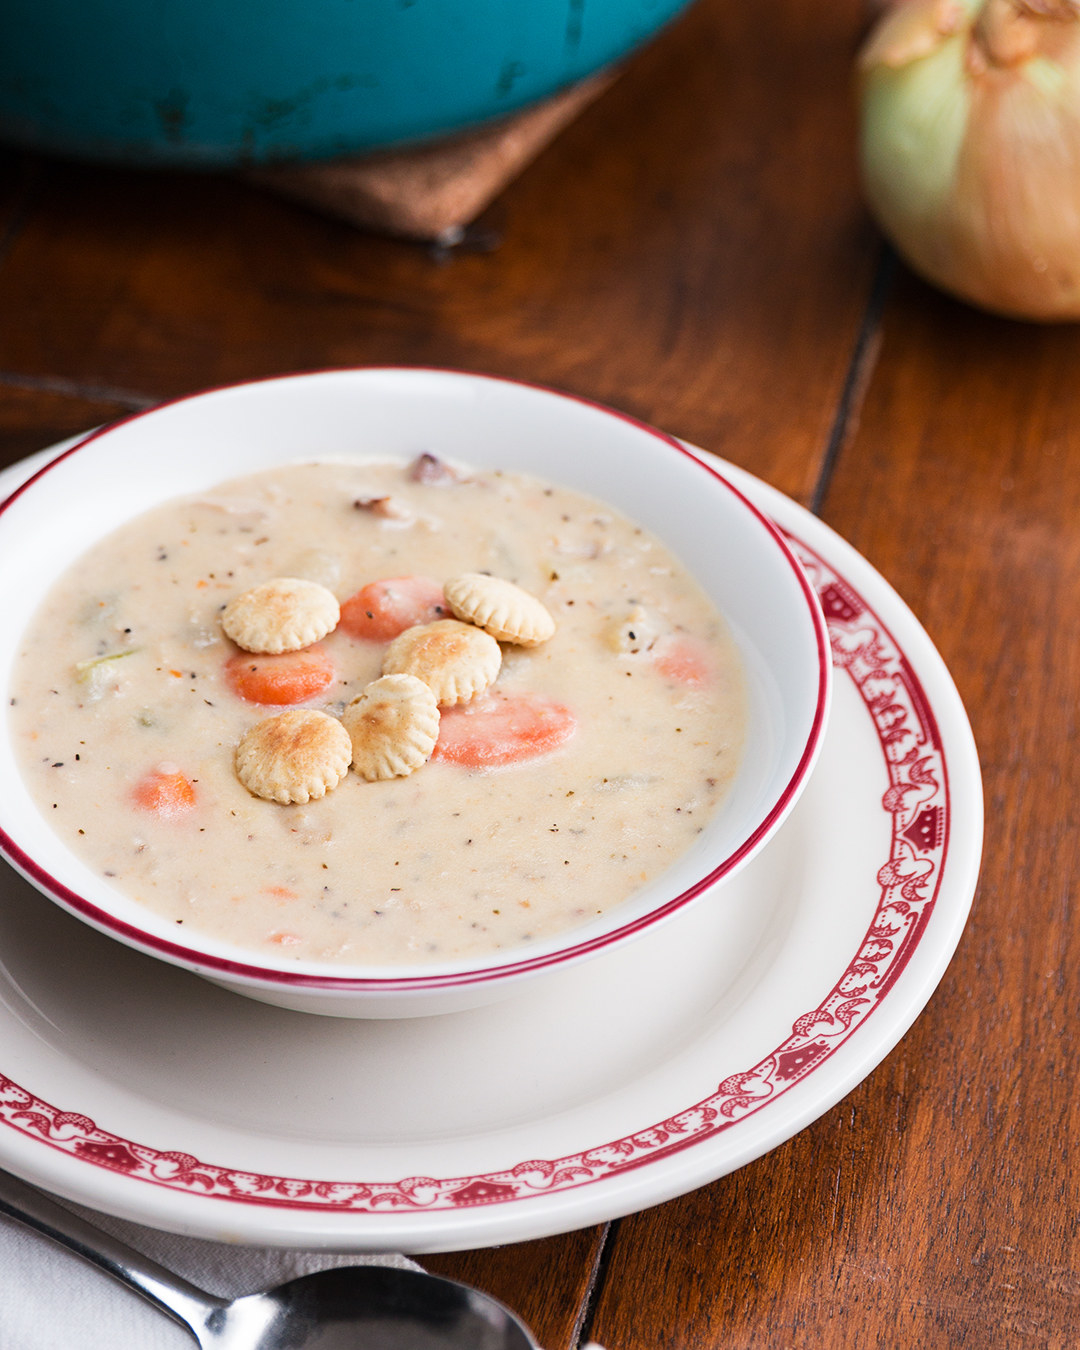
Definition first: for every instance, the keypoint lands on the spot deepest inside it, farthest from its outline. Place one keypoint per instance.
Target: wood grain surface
(694, 250)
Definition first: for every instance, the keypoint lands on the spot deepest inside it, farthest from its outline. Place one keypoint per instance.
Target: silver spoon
(350, 1308)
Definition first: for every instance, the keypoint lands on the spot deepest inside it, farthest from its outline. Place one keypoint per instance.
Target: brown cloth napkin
(432, 192)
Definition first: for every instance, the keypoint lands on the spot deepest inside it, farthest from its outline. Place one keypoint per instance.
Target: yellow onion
(970, 147)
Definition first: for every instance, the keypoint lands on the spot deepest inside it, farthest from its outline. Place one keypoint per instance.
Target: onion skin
(970, 148)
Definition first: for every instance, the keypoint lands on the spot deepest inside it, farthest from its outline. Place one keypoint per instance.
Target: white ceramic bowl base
(190, 445)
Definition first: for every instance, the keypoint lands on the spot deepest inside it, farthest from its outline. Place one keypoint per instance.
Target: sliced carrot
(283, 939)
(164, 792)
(680, 660)
(291, 677)
(381, 610)
(502, 727)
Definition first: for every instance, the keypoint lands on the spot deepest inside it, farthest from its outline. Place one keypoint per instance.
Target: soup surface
(123, 675)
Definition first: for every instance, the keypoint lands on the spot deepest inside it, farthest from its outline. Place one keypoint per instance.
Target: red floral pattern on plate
(916, 800)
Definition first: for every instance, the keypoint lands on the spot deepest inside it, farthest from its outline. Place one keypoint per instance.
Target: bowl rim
(472, 972)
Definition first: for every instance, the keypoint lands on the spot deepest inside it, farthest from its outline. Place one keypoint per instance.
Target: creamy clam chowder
(616, 737)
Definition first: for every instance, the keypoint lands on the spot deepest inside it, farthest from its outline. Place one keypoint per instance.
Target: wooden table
(694, 250)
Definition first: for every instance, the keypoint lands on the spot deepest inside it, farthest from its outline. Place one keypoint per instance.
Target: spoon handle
(189, 1305)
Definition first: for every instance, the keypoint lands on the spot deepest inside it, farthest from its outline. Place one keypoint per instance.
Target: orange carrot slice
(291, 677)
(680, 661)
(280, 938)
(164, 792)
(502, 727)
(381, 610)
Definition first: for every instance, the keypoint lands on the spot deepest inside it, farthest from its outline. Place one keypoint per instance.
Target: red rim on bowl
(206, 963)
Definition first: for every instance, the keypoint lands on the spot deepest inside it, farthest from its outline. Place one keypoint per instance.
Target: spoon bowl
(367, 1307)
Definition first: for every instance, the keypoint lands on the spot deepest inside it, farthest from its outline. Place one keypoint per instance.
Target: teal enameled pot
(216, 83)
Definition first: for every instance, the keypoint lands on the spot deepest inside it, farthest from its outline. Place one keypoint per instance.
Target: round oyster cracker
(500, 608)
(455, 660)
(282, 615)
(294, 756)
(393, 725)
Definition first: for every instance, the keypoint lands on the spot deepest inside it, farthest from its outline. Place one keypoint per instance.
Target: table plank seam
(129, 399)
(864, 356)
(590, 1299)
(26, 195)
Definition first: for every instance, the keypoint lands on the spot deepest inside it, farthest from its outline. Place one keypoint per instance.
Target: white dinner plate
(139, 1089)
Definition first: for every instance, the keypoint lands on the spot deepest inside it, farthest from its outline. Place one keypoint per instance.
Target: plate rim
(660, 1177)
